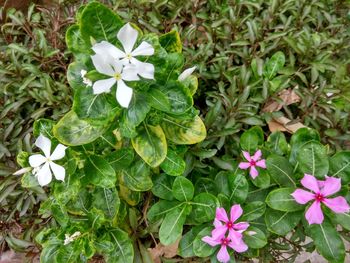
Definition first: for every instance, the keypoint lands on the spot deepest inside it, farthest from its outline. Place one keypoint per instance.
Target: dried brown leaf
(167, 251)
(287, 96)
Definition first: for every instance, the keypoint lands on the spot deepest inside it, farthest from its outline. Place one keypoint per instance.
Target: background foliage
(229, 41)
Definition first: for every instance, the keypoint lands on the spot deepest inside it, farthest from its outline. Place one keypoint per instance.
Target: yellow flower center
(117, 76)
(128, 56)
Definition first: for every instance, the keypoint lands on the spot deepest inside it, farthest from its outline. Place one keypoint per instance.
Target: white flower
(85, 80)
(127, 36)
(22, 171)
(43, 164)
(186, 73)
(68, 239)
(106, 64)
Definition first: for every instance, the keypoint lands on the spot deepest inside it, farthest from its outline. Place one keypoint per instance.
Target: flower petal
(310, 182)
(241, 226)
(314, 214)
(247, 156)
(253, 172)
(244, 165)
(44, 175)
(106, 48)
(217, 223)
(234, 236)
(223, 255)
(58, 171)
(186, 73)
(221, 214)
(44, 144)
(144, 49)
(219, 232)
(211, 241)
(127, 35)
(103, 85)
(257, 155)
(302, 197)
(59, 152)
(124, 94)
(130, 73)
(337, 204)
(103, 64)
(235, 213)
(145, 70)
(261, 163)
(36, 160)
(331, 186)
(239, 247)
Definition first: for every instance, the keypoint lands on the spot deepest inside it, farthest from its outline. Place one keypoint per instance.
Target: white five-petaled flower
(86, 81)
(43, 164)
(121, 65)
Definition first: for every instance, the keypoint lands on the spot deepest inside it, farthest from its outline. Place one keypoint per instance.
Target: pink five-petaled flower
(253, 161)
(222, 223)
(320, 189)
(223, 255)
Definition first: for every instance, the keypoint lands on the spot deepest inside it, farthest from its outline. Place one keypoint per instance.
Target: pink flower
(320, 189)
(223, 255)
(235, 230)
(253, 161)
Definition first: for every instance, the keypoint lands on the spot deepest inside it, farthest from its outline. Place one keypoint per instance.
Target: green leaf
(203, 207)
(161, 208)
(44, 127)
(123, 250)
(150, 144)
(183, 189)
(327, 240)
(137, 177)
(313, 159)
(99, 23)
(184, 131)
(339, 166)
(238, 187)
(162, 185)
(120, 159)
(172, 225)
(205, 185)
(200, 248)
(179, 97)
(280, 170)
(23, 159)
(254, 240)
(173, 164)
(186, 242)
(75, 42)
(28, 180)
(277, 143)
(107, 200)
(251, 139)
(281, 199)
(262, 180)
(343, 219)
(253, 211)
(49, 252)
(95, 107)
(158, 100)
(221, 182)
(171, 42)
(137, 111)
(299, 138)
(281, 223)
(72, 131)
(274, 64)
(191, 82)
(99, 172)
(131, 197)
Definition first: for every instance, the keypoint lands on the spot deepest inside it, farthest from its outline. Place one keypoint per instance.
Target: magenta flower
(253, 162)
(223, 255)
(235, 230)
(321, 190)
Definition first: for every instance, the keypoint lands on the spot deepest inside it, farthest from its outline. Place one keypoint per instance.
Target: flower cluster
(43, 165)
(121, 65)
(253, 162)
(234, 239)
(321, 190)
